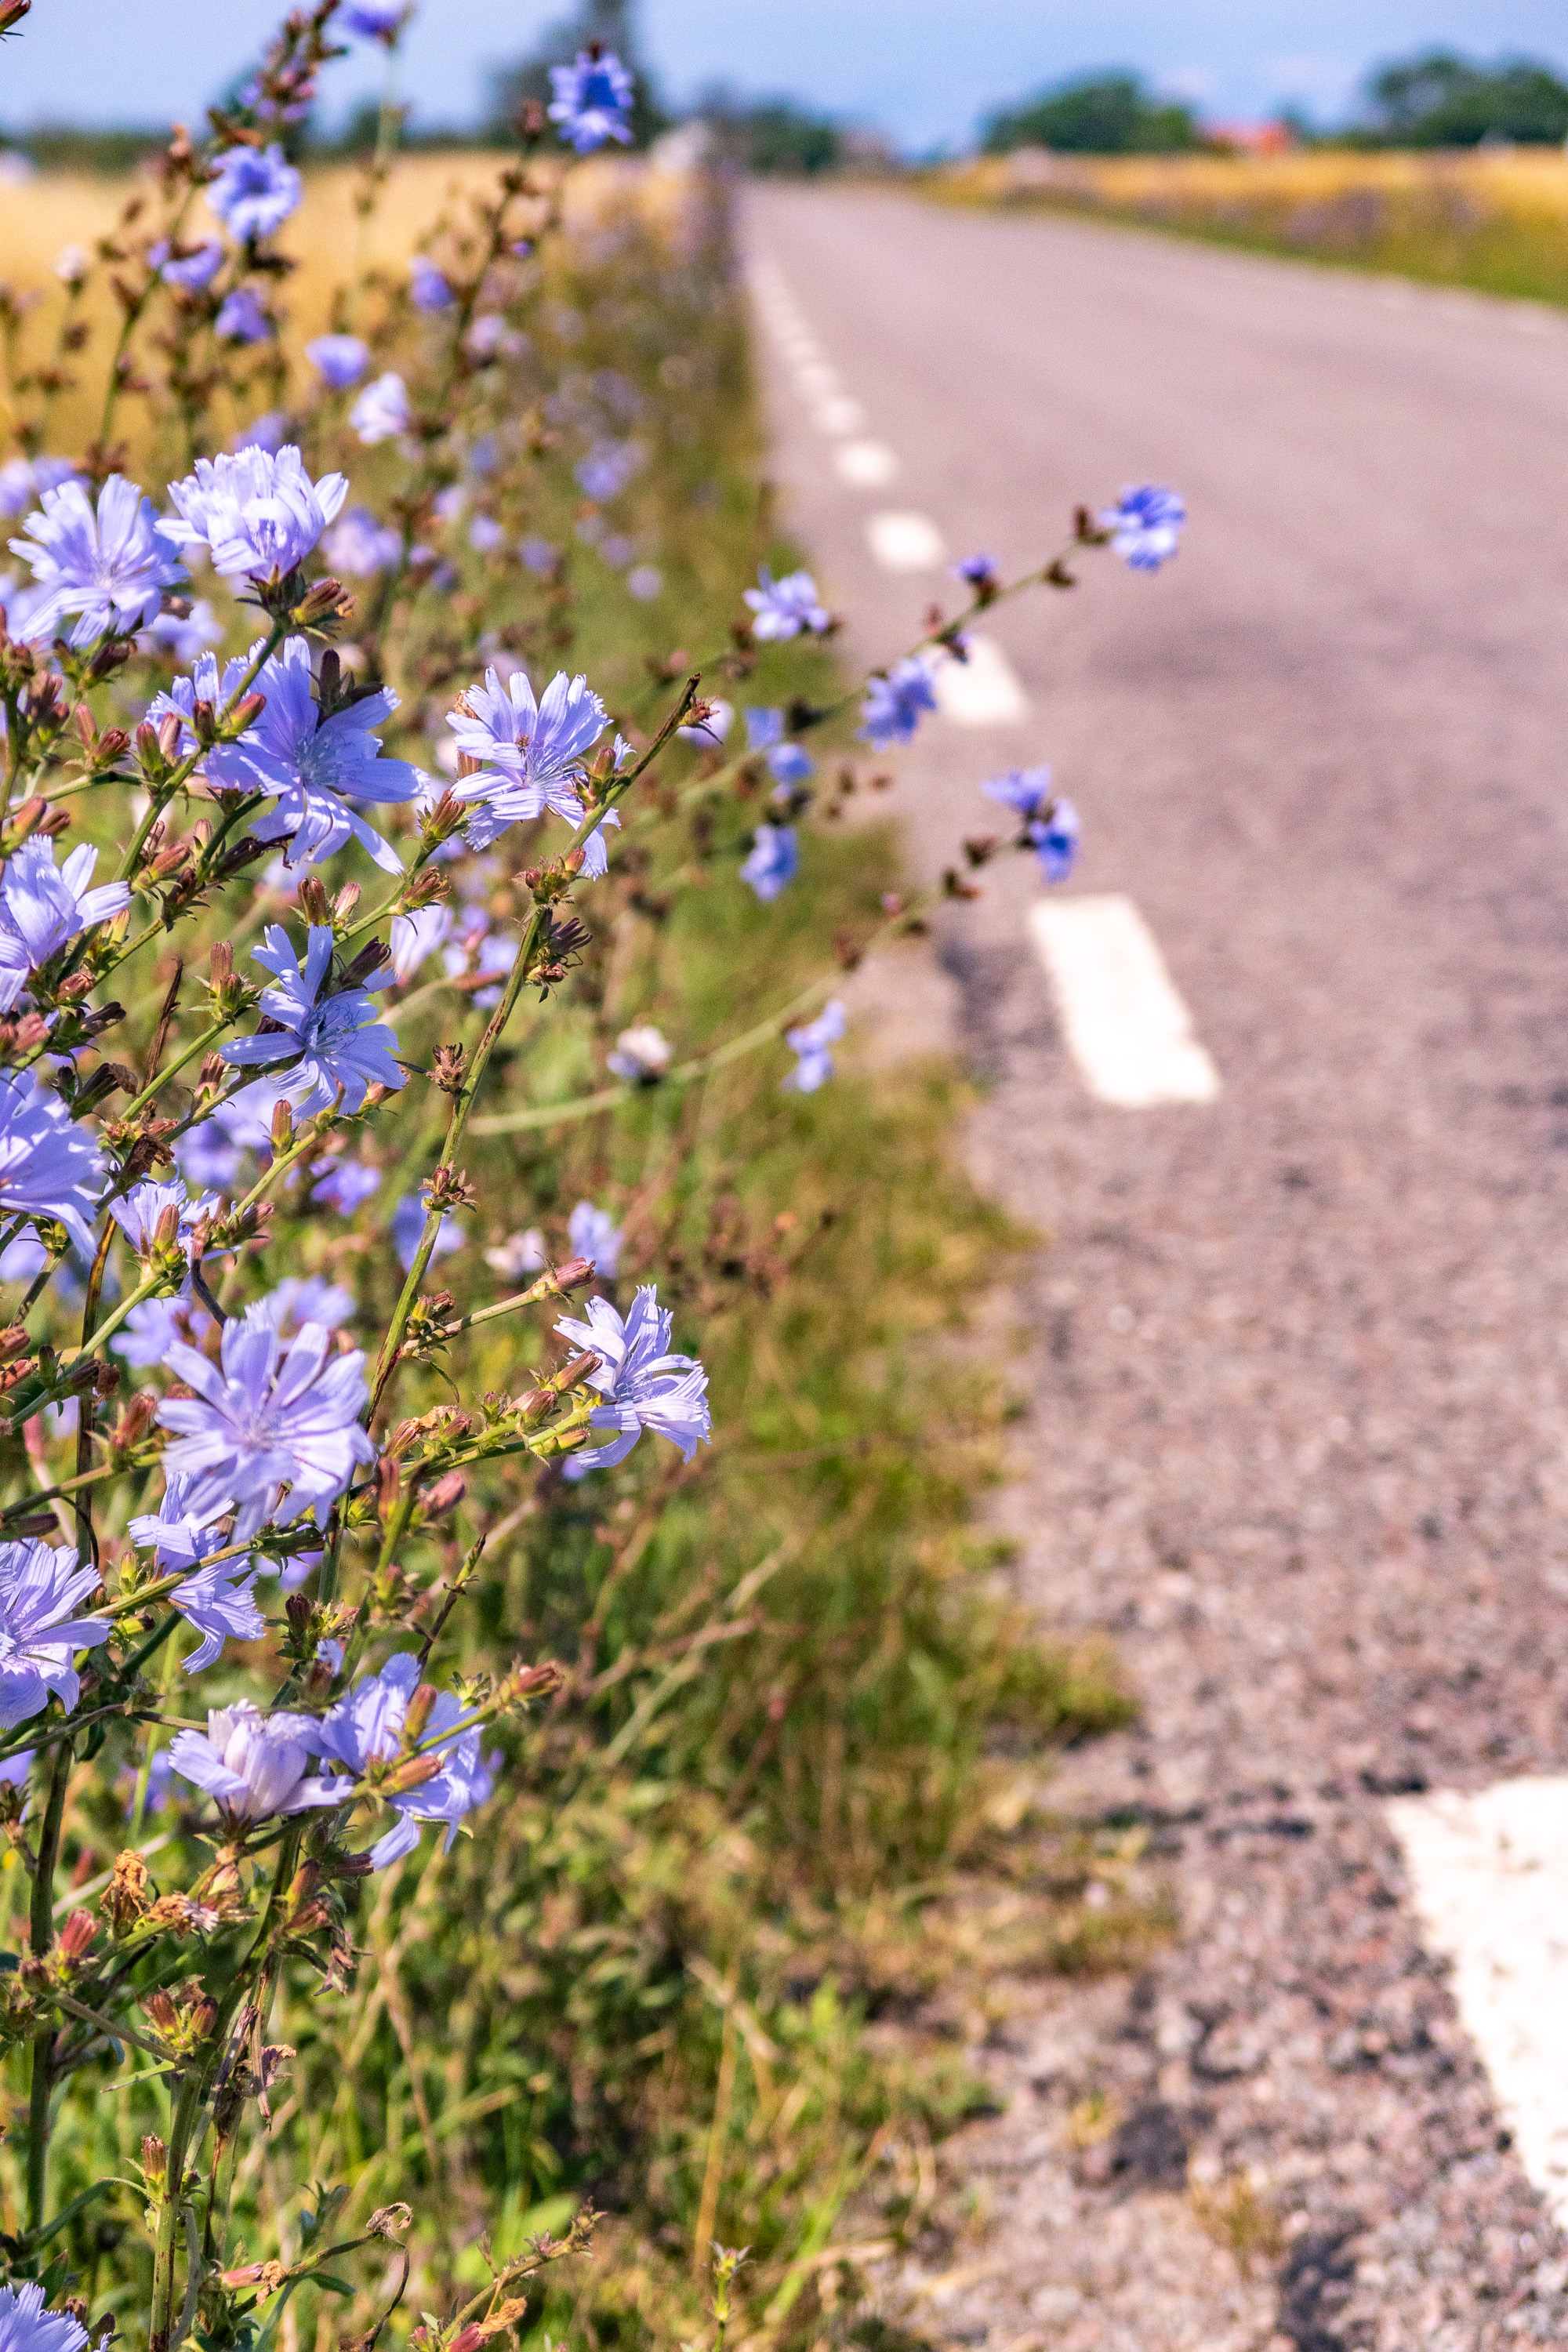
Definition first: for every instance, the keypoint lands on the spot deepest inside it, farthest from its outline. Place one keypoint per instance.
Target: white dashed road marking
(906, 543)
(866, 464)
(982, 692)
(1490, 1875)
(1126, 1026)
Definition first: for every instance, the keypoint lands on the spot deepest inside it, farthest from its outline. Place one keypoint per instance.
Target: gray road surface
(1298, 1362)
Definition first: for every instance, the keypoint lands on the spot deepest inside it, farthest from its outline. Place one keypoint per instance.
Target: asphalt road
(1298, 1359)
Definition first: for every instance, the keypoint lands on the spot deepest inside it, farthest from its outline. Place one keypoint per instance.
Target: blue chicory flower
(1050, 825)
(641, 1056)
(592, 100)
(254, 1765)
(315, 772)
(381, 411)
(40, 1588)
(1145, 525)
(894, 704)
(210, 1153)
(645, 582)
(181, 638)
(217, 1600)
(344, 1185)
(539, 555)
(149, 1330)
(191, 271)
(50, 1169)
(977, 572)
(594, 1234)
(241, 319)
(428, 290)
(786, 607)
(22, 479)
(108, 567)
(811, 1043)
(27, 2326)
(773, 862)
(531, 753)
(642, 1385)
(257, 512)
(608, 467)
(407, 1231)
(43, 908)
(358, 545)
(264, 432)
(334, 1041)
(338, 359)
(597, 849)
(485, 535)
(367, 1727)
(269, 1416)
(253, 191)
(375, 20)
(416, 937)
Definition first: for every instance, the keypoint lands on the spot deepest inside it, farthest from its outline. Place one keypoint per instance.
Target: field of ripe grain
(1498, 221)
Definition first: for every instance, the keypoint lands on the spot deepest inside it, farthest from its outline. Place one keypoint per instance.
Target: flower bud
(77, 1934)
(245, 713)
(444, 1494)
(169, 732)
(156, 2164)
(328, 596)
(418, 1715)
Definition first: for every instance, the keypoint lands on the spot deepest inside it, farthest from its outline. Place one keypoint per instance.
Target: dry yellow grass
(327, 238)
(1494, 220)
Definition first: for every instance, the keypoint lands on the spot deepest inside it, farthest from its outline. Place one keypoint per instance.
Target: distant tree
(773, 136)
(1443, 100)
(609, 21)
(1099, 114)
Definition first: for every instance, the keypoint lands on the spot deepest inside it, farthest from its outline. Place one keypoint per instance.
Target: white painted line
(866, 464)
(1490, 1874)
(1126, 1027)
(838, 415)
(982, 692)
(906, 543)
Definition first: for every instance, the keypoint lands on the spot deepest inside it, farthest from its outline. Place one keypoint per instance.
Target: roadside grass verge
(794, 1779)
(1495, 222)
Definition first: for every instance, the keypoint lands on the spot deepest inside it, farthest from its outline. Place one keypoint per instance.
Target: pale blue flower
(531, 753)
(977, 572)
(41, 1586)
(27, 2326)
(333, 1041)
(608, 467)
(773, 862)
(540, 556)
(43, 908)
(407, 1231)
(210, 1153)
(485, 535)
(597, 849)
(108, 567)
(893, 705)
(137, 1215)
(358, 545)
(811, 1043)
(786, 607)
(428, 290)
(22, 479)
(50, 1169)
(381, 411)
(592, 100)
(1145, 525)
(218, 1601)
(642, 1385)
(645, 582)
(344, 1184)
(271, 1419)
(594, 1234)
(149, 1329)
(241, 319)
(301, 1299)
(257, 513)
(367, 1727)
(193, 271)
(1050, 825)
(254, 1765)
(376, 20)
(181, 640)
(253, 191)
(791, 764)
(315, 769)
(264, 432)
(642, 1055)
(415, 938)
(338, 359)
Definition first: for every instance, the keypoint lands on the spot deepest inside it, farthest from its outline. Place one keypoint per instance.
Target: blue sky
(921, 69)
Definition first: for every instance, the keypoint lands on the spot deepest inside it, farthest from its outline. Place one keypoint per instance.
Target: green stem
(41, 1938)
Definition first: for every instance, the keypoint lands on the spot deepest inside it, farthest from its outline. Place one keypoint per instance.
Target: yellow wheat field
(1496, 220)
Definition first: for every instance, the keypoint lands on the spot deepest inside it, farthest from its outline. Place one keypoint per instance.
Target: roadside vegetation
(801, 1728)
